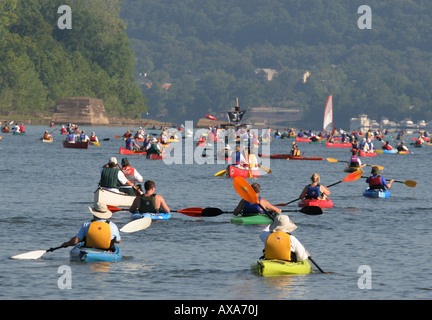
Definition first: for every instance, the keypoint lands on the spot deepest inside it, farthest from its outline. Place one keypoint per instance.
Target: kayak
(351, 169)
(315, 202)
(234, 171)
(280, 267)
(251, 219)
(389, 151)
(367, 154)
(287, 156)
(18, 133)
(81, 253)
(127, 151)
(299, 139)
(376, 193)
(338, 145)
(153, 216)
(47, 140)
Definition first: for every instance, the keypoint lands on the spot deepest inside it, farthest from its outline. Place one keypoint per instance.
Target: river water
(369, 249)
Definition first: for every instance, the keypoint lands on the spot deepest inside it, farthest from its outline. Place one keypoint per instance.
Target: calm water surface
(46, 190)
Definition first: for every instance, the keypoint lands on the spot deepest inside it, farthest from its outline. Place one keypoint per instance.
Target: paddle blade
(312, 210)
(211, 212)
(410, 183)
(137, 225)
(220, 173)
(192, 212)
(113, 208)
(353, 176)
(332, 160)
(32, 255)
(245, 190)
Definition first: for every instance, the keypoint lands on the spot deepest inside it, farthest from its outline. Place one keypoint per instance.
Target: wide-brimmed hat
(101, 211)
(125, 161)
(282, 223)
(375, 170)
(113, 160)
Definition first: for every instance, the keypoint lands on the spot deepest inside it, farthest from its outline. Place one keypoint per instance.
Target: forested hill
(40, 62)
(209, 51)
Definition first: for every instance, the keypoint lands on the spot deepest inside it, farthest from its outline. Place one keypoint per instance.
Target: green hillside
(210, 50)
(40, 63)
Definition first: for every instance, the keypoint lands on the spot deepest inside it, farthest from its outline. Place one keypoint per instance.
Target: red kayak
(127, 151)
(317, 203)
(234, 171)
(339, 145)
(367, 154)
(298, 139)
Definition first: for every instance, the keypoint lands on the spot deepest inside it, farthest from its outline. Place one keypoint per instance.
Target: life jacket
(313, 192)
(109, 178)
(278, 246)
(93, 138)
(295, 152)
(129, 143)
(99, 235)
(354, 161)
(71, 137)
(252, 208)
(129, 172)
(148, 204)
(375, 182)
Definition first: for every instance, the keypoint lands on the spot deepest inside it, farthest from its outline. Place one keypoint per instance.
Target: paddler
(402, 147)
(70, 137)
(131, 143)
(355, 161)
(99, 233)
(133, 176)
(294, 150)
(376, 181)
(247, 208)
(315, 190)
(149, 202)
(280, 244)
(155, 148)
(93, 137)
(47, 135)
(112, 177)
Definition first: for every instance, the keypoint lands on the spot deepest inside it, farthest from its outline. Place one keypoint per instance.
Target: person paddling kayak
(99, 233)
(247, 208)
(378, 182)
(315, 190)
(149, 202)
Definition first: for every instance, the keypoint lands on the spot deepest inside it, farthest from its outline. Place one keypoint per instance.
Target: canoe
(287, 156)
(113, 198)
(127, 151)
(154, 156)
(81, 253)
(351, 169)
(269, 268)
(153, 216)
(234, 171)
(251, 219)
(315, 202)
(76, 145)
(376, 193)
(338, 145)
(367, 154)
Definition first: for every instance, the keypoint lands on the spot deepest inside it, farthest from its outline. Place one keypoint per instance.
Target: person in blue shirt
(378, 182)
(315, 190)
(246, 208)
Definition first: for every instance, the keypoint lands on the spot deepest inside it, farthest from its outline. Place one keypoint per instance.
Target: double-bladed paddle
(245, 190)
(408, 183)
(192, 211)
(369, 165)
(351, 177)
(133, 226)
(213, 212)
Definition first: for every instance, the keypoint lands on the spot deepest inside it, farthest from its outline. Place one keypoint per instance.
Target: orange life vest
(278, 246)
(99, 235)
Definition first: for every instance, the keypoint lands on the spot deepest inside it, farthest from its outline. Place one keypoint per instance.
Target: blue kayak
(376, 193)
(389, 151)
(81, 253)
(153, 216)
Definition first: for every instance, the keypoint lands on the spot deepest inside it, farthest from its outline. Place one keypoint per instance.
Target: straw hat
(101, 211)
(282, 223)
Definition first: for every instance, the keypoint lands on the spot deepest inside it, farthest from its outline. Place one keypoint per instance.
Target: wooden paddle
(369, 165)
(136, 191)
(351, 177)
(245, 190)
(213, 212)
(133, 226)
(408, 183)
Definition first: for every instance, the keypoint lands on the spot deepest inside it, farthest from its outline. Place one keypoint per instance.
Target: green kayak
(278, 267)
(252, 219)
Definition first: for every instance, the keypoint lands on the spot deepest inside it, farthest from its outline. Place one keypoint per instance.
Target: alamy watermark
(365, 280)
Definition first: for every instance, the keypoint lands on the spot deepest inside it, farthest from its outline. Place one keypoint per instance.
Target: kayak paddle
(213, 212)
(245, 190)
(220, 173)
(408, 183)
(193, 211)
(369, 165)
(33, 255)
(351, 177)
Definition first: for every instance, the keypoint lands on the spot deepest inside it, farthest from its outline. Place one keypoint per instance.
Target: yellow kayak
(279, 267)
